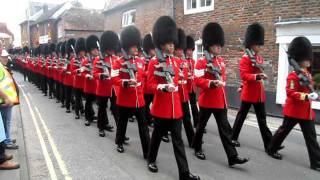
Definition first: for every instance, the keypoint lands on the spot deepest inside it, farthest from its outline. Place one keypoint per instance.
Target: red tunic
(210, 97)
(252, 90)
(146, 87)
(78, 79)
(129, 96)
(89, 84)
(296, 105)
(68, 77)
(165, 105)
(104, 86)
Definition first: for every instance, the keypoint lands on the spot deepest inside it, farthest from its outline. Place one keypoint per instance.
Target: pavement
(54, 145)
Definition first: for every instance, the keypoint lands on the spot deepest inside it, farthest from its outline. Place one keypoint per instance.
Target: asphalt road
(61, 147)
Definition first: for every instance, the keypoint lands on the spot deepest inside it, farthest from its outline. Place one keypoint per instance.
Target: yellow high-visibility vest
(7, 85)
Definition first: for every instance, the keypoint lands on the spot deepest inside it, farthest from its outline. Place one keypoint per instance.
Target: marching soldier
(62, 74)
(252, 76)
(78, 81)
(163, 76)
(149, 53)
(190, 82)
(56, 75)
(210, 77)
(297, 108)
(68, 70)
(51, 49)
(89, 82)
(183, 88)
(102, 67)
(128, 74)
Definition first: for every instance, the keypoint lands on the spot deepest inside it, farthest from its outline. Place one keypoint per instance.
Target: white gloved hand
(161, 87)
(313, 96)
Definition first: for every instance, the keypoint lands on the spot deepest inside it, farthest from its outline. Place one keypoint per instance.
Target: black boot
(165, 138)
(109, 128)
(87, 123)
(102, 133)
(237, 160)
(120, 148)
(153, 167)
(189, 176)
(200, 155)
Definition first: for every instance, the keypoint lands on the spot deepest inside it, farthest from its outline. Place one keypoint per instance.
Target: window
(128, 18)
(198, 6)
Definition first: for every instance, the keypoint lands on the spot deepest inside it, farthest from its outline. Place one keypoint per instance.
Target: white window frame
(285, 34)
(127, 19)
(198, 9)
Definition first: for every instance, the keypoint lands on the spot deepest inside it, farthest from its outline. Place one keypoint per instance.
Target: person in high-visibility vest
(7, 86)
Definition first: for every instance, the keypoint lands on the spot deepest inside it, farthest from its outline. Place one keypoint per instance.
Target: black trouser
(78, 101)
(57, 91)
(102, 112)
(44, 85)
(89, 112)
(50, 83)
(194, 108)
(161, 127)
(124, 113)
(114, 107)
(224, 129)
(2, 152)
(62, 93)
(309, 134)
(68, 95)
(261, 118)
(187, 122)
(148, 99)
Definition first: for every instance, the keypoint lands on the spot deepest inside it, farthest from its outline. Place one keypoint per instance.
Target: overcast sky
(12, 12)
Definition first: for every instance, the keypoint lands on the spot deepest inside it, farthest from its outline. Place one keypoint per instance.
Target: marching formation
(155, 80)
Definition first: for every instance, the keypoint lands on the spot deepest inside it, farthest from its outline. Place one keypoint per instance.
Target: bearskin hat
(212, 34)
(254, 35)
(58, 47)
(109, 40)
(25, 49)
(164, 31)
(147, 43)
(300, 49)
(52, 47)
(190, 43)
(47, 50)
(130, 36)
(69, 43)
(182, 39)
(63, 48)
(91, 42)
(80, 45)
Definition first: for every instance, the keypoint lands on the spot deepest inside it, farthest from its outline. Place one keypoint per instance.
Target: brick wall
(147, 13)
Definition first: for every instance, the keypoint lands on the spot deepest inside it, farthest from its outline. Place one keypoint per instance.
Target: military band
(157, 80)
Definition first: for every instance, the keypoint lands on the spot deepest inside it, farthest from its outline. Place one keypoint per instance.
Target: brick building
(6, 36)
(283, 20)
(61, 22)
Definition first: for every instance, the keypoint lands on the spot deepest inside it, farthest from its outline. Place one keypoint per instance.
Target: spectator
(6, 111)
(5, 163)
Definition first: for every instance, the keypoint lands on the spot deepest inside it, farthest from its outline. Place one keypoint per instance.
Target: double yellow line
(52, 144)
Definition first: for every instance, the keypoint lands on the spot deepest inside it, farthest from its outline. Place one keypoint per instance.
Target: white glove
(313, 96)
(161, 87)
(88, 76)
